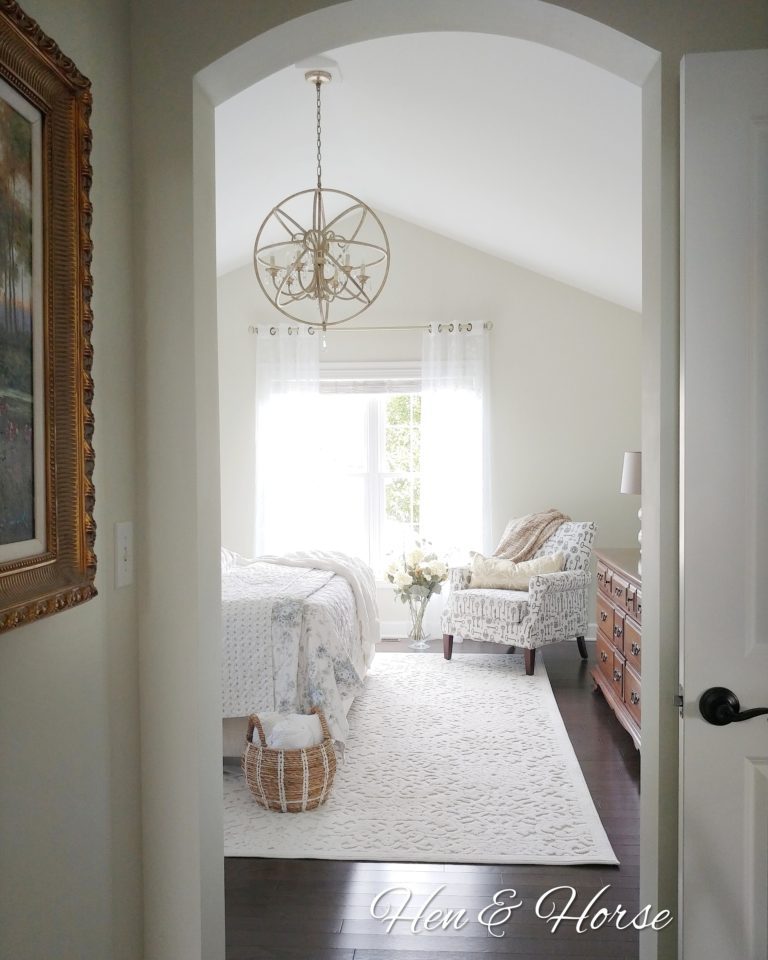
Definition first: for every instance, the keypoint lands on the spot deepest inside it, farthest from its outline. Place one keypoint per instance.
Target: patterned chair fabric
(553, 609)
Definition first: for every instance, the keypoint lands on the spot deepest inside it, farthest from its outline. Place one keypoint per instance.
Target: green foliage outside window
(402, 442)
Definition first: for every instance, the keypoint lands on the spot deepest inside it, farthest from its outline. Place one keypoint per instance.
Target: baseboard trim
(395, 629)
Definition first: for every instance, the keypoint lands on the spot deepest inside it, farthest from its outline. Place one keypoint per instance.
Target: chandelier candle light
(416, 576)
(331, 270)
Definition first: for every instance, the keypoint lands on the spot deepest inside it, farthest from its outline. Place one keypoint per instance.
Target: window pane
(336, 481)
(343, 441)
(398, 450)
(402, 415)
(341, 521)
(399, 501)
(400, 524)
(400, 419)
(399, 409)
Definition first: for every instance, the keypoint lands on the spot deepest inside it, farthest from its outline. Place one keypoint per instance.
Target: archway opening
(336, 27)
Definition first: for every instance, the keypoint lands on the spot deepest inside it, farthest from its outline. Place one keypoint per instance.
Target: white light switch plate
(123, 554)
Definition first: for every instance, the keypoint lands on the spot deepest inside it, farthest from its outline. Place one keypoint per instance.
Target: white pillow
(493, 573)
(289, 731)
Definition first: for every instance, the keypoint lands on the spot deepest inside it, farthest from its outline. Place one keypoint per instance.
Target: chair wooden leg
(447, 645)
(530, 661)
(582, 645)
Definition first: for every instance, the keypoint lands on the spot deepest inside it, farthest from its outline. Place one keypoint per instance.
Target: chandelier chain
(319, 157)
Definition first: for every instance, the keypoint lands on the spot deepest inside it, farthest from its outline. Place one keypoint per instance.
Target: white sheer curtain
(287, 430)
(455, 441)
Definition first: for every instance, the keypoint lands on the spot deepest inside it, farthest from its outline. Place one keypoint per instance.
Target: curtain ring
(439, 328)
(469, 328)
(429, 328)
(272, 331)
(450, 328)
(311, 331)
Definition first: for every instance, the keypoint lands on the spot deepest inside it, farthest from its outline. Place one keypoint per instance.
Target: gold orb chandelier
(328, 272)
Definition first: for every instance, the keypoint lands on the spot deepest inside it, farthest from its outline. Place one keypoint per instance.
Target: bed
(297, 631)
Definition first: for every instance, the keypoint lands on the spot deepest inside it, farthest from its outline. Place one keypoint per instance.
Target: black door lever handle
(721, 706)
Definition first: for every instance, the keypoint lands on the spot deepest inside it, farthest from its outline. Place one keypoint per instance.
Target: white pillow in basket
(289, 731)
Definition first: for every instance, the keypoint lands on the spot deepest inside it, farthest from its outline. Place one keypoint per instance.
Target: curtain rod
(441, 327)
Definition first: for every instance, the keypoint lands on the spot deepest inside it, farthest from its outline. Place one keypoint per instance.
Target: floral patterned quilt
(291, 641)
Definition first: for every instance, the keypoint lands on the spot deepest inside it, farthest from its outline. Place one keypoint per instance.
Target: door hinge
(679, 699)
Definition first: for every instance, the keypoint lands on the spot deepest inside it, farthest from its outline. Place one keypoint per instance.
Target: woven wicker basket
(289, 781)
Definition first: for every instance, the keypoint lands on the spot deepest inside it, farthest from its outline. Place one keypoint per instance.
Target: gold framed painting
(47, 532)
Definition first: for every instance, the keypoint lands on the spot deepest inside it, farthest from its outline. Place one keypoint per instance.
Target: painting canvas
(17, 496)
(21, 479)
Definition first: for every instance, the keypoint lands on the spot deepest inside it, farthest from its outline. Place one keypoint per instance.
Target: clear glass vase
(417, 605)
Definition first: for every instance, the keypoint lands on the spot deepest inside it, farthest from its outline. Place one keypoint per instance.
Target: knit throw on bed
(524, 536)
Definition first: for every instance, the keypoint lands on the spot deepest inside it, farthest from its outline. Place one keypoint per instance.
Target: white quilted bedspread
(291, 641)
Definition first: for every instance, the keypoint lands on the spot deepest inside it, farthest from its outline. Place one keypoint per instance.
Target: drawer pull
(603, 656)
(616, 675)
(635, 648)
(618, 631)
(603, 616)
(634, 698)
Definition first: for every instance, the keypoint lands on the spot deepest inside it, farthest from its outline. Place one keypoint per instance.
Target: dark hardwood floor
(320, 909)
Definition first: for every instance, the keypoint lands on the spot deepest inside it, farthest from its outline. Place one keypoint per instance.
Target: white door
(724, 508)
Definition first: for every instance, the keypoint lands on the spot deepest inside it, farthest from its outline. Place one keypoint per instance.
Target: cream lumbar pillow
(492, 573)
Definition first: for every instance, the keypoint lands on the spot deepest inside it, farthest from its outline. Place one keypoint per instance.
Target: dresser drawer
(604, 652)
(603, 578)
(619, 590)
(619, 610)
(632, 644)
(618, 630)
(632, 693)
(604, 617)
(617, 675)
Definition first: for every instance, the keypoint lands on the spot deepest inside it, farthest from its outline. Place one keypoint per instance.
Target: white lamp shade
(631, 475)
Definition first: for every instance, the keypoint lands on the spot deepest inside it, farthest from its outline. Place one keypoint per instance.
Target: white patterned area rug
(461, 761)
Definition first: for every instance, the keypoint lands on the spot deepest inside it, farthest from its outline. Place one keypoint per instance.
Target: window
(357, 463)
(399, 428)
(370, 487)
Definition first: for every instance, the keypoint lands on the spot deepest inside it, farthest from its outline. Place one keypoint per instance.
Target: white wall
(75, 897)
(565, 381)
(70, 833)
(172, 136)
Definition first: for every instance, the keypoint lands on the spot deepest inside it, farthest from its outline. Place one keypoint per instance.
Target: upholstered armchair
(554, 608)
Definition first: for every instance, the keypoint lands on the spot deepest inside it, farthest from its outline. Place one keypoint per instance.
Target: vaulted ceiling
(513, 148)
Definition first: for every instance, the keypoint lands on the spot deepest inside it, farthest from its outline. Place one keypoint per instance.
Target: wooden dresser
(618, 642)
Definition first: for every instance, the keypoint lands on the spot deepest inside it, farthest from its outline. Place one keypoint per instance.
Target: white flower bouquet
(416, 575)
